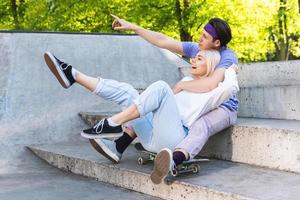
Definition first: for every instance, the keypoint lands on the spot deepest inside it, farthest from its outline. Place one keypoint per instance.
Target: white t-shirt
(193, 105)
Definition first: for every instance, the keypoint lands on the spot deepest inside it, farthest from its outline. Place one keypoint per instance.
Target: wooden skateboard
(191, 166)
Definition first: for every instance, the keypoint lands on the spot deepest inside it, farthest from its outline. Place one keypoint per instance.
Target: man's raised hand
(121, 24)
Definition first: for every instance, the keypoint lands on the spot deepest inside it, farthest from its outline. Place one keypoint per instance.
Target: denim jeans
(159, 125)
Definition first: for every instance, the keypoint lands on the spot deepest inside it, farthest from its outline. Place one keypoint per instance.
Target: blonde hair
(212, 58)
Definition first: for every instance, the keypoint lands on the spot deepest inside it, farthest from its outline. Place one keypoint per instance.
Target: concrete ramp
(35, 109)
(217, 180)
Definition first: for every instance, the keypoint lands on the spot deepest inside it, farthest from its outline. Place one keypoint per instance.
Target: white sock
(111, 123)
(74, 71)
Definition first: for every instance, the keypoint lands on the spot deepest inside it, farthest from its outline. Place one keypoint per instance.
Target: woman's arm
(225, 89)
(206, 84)
(155, 38)
(209, 83)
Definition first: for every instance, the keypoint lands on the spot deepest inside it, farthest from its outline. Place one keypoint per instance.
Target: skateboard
(191, 166)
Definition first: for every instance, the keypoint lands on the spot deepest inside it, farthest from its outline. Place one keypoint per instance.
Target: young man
(216, 35)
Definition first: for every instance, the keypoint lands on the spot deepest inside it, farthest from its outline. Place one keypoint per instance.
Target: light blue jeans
(159, 125)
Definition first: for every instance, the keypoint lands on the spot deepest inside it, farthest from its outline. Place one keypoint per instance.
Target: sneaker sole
(101, 136)
(161, 166)
(55, 69)
(103, 150)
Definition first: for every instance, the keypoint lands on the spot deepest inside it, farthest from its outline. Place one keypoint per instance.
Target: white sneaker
(107, 148)
(163, 164)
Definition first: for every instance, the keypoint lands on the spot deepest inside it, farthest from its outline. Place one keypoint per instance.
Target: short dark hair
(223, 30)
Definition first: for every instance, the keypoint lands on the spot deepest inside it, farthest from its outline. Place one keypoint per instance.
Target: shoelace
(64, 64)
(101, 123)
(173, 166)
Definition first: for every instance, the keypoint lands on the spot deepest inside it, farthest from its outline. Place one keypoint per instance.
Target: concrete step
(268, 89)
(276, 102)
(263, 142)
(34, 179)
(216, 180)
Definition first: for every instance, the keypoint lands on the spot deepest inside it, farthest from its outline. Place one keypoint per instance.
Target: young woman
(159, 116)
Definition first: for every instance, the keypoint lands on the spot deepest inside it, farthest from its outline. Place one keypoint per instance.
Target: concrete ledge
(261, 142)
(129, 179)
(216, 180)
(270, 74)
(281, 102)
(268, 89)
(265, 74)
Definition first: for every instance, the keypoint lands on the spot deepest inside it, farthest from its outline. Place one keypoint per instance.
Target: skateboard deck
(190, 166)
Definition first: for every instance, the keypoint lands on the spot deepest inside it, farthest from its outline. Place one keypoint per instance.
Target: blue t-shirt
(228, 57)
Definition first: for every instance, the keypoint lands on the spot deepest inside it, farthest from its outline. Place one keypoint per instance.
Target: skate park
(43, 156)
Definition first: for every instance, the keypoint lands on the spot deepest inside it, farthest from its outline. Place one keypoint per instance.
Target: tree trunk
(15, 13)
(282, 43)
(181, 17)
(299, 6)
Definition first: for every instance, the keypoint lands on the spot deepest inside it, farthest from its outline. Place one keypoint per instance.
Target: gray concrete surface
(36, 180)
(34, 108)
(270, 74)
(216, 180)
(269, 90)
(280, 102)
(262, 142)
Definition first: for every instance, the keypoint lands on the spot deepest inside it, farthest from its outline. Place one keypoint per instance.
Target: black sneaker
(102, 130)
(61, 70)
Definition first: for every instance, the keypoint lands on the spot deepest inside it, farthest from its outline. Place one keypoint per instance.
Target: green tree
(285, 30)
(262, 29)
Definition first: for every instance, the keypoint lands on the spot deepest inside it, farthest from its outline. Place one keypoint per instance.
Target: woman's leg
(162, 122)
(155, 130)
(121, 93)
(86, 81)
(159, 124)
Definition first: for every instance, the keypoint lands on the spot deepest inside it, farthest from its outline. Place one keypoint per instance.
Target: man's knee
(200, 128)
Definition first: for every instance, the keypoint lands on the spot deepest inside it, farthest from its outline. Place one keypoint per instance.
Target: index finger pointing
(114, 16)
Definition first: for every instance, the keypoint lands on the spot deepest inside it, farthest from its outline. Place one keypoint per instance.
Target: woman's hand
(177, 88)
(235, 68)
(121, 24)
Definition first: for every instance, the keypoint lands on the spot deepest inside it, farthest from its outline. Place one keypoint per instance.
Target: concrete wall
(34, 108)
(269, 90)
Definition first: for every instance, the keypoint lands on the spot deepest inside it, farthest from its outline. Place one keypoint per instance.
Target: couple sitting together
(173, 122)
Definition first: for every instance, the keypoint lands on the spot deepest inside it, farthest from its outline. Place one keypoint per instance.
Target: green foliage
(255, 24)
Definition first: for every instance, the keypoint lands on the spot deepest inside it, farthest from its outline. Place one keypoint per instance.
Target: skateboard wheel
(196, 169)
(141, 161)
(174, 172)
